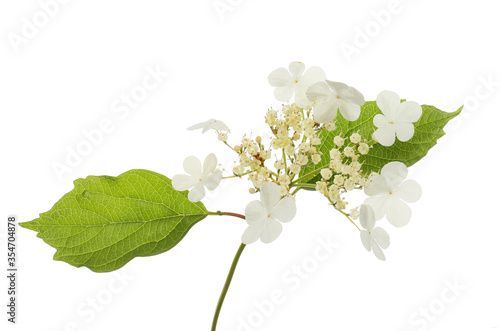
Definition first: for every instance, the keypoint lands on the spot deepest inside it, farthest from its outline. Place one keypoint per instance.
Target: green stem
(225, 213)
(284, 160)
(225, 143)
(347, 215)
(234, 176)
(228, 279)
(305, 185)
(305, 176)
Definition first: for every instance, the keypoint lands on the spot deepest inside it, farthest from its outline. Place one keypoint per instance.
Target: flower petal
(285, 210)
(350, 111)
(409, 111)
(318, 91)
(192, 166)
(284, 93)
(366, 240)
(296, 69)
(209, 164)
(377, 251)
(183, 182)
(379, 204)
(377, 185)
(301, 99)
(367, 217)
(404, 130)
(409, 191)
(394, 173)
(347, 93)
(385, 135)
(398, 212)
(338, 88)
(218, 125)
(213, 180)
(271, 231)
(326, 111)
(201, 125)
(381, 237)
(255, 211)
(279, 77)
(197, 193)
(388, 102)
(253, 232)
(313, 75)
(379, 120)
(270, 194)
(210, 124)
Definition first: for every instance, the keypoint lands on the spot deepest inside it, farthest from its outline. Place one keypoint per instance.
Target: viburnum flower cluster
(292, 160)
(323, 137)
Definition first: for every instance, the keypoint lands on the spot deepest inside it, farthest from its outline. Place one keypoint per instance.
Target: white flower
(333, 96)
(355, 138)
(264, 216)
(397, 120)
(296, 81)
(326, 173)
(373, 238)
(198, 179)
(339, 141)
(387, 191)
(222, 136)
(211, 124)
(363, 148)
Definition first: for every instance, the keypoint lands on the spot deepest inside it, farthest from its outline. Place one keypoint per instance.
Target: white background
(66, 77)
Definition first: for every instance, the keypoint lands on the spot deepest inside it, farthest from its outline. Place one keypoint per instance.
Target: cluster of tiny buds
(294, 139)
(294, 143)
(343, 172)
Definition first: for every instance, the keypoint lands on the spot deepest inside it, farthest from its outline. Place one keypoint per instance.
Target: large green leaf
(104, 222)
(428, 129)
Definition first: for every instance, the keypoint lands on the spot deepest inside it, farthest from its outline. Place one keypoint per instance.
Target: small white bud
(316, 158)
(339, 141)
(363, 148)
(326, 173)
(355, 138)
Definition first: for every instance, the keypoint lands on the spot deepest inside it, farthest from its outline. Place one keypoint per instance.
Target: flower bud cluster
(295, 138)
(295, 142)
(343, 172)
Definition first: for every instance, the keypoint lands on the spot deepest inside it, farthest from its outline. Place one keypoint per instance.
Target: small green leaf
(104, 222)
(428, 129)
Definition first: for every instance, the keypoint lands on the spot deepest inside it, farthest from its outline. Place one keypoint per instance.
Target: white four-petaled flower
(264, 216)
(295, 81)
(210, 124)
(373, 238)
(387, 192)
(198, 178)
(397, 119)
(333, 96)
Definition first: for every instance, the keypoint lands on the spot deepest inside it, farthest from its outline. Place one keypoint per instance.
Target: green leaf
(104, 222)
(428, 129)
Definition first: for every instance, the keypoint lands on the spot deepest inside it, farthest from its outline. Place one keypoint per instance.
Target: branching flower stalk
(297, 132)
(324, 137)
